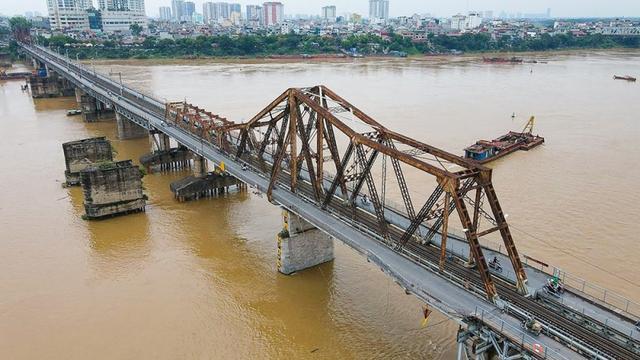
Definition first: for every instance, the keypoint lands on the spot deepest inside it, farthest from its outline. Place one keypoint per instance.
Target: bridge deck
(446, 291)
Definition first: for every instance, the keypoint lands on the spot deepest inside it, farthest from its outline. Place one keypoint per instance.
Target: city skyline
(565, 8)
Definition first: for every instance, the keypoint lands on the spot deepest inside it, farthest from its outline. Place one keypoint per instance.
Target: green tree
(135, 29)
(20, 27)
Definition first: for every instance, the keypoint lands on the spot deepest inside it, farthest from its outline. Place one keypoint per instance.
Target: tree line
(292, 44)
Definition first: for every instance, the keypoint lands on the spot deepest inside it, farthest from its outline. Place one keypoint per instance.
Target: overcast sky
(559, 8)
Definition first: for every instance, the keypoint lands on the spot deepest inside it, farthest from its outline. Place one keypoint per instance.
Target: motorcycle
(495, 265)
(554, 287)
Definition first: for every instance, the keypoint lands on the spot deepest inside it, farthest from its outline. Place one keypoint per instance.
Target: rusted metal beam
(339, 176)
(445, 231)
(512, 251)
(293, 144)
(476, 249)
(422, 214)
(373, 194)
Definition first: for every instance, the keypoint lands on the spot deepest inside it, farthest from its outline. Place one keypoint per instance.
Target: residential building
(68, 14)
(119, 15)
(209, 12)
(474, 20)
(188, 9)
(176, 9)
(254, 13)
(223, 10)
(378, 10)
(235, 8)
(458, 22)
(165, 13)
(273, 13)
(95, 19)
(329, 13)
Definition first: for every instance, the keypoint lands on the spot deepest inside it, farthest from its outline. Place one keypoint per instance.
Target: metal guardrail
(517, 335)
(600, 294)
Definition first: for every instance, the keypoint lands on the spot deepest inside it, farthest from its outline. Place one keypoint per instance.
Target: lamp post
(120, 77)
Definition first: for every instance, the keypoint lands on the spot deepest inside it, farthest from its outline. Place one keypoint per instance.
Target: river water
(199, 280)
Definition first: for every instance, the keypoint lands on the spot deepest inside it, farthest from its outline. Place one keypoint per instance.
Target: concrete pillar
(79, 93)
(80, 154)
(94, 111)
(199, 166)
(301, 245)
(127, 129)
(112, 189)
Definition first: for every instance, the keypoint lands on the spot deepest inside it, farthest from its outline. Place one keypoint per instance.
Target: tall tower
(273, 13)
(176, 9)
(68, 14)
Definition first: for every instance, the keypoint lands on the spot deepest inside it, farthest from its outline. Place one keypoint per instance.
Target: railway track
(429, 253)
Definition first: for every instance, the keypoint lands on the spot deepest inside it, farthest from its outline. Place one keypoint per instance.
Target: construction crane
(528, 128)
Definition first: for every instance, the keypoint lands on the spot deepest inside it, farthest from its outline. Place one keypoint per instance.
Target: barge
(502, 60)
(626, 77)
(484, 151)
(13, 75)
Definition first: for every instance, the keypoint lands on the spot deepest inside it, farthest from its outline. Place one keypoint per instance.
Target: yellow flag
(424, 322)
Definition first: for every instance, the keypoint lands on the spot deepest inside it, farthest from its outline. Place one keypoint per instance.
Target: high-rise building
(176, 9)
(165, 13)
(68, 14)
(119, 15)
(273, 13)
(235, 9)
(378, 10)
(209, 14)
(254, 13)
(329, 13)
(223, 10)
(121, 5)
(188, 9)
(95, 19)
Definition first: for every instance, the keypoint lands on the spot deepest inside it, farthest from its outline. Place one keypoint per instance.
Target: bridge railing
(516, 335)
(599, 294)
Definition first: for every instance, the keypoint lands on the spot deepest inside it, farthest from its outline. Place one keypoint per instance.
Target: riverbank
(328, 58)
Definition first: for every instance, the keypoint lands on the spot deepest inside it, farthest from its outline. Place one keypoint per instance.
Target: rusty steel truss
(312, 142)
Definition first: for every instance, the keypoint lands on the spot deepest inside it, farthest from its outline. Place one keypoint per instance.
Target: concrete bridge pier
(78, 93)
(163, 157)
(200, 167)
(113, 188)
(204, 184)
(301, 245)
(127, 129)
(45, 84)
(93, 110)
(80, 154)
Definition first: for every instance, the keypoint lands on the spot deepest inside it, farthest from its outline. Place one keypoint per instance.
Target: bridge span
(321, 158)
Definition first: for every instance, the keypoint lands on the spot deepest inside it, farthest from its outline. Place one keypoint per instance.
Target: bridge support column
(80, 154)
(79, 93)
(301, 245)
(199, 166)
(112, 189)
(49, 85)
(94, 111)
(127, 129)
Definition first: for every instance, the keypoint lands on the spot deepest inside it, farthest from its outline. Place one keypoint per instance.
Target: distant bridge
(320, 157)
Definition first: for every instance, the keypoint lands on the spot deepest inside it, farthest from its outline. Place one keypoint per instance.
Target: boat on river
(625, 77)
(484, 151)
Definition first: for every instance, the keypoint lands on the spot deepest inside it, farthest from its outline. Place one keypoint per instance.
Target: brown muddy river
(198, 280)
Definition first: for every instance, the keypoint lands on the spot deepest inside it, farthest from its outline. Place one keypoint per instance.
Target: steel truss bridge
(320, 157)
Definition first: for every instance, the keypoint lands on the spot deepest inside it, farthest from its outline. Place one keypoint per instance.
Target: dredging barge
(484, 151)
